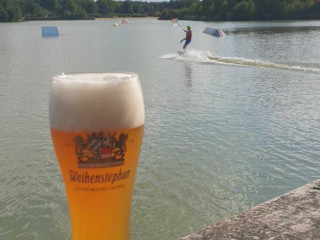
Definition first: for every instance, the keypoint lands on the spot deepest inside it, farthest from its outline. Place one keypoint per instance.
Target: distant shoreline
(127, 18)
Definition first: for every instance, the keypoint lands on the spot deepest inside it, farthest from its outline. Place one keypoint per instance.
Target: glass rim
(95, 75)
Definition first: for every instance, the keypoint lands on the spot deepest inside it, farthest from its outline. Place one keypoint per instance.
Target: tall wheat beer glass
(96, 122)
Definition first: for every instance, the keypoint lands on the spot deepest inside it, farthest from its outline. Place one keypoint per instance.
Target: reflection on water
(221, 134)
(188, 75)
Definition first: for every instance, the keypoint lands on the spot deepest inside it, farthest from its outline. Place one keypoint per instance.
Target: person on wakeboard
(188, 37)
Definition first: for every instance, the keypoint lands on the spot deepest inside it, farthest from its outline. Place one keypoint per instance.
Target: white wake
(207, 57)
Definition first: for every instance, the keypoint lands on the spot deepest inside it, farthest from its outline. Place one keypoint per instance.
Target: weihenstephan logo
(101, 150)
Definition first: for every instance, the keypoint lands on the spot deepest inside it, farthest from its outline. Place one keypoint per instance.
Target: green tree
(91, 7)
(165, 15)
(71, 6)
(105, 7)
(208, 8)
(12, 9)
(33, 8)
(195, 8)
(4, 17)
(264, 9)
(127, 7)
(137, 8)
(51, 5)
(244, 10)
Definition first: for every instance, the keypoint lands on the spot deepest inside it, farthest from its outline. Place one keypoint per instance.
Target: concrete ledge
(292, 216)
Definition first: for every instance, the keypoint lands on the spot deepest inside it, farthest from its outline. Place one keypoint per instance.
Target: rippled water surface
(229, 124)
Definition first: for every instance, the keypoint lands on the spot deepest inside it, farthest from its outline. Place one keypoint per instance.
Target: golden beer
(97, 129)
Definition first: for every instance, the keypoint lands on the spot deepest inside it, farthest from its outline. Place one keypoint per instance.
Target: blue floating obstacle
(214, 32)
(50, 32)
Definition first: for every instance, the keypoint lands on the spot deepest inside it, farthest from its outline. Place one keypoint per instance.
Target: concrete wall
(292, 216)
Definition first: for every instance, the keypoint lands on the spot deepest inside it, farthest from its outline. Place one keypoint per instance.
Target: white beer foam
(96, 101)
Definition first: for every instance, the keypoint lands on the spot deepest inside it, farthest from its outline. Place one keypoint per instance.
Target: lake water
(232, 123)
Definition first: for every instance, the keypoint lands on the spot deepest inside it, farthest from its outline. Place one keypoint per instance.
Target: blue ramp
(50, 32)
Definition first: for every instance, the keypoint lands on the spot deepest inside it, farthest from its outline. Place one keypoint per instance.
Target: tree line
(206, 10)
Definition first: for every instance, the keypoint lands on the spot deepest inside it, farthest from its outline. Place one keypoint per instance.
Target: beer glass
(96, 122)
